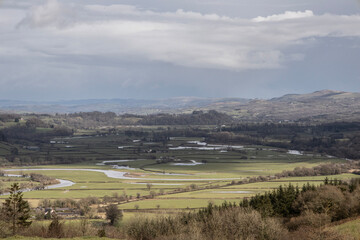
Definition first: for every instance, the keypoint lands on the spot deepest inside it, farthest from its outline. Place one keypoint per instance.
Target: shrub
(113, 213)
(309, 219)
(55, 229)
(213, 223)
(326, 199)
(4, 229)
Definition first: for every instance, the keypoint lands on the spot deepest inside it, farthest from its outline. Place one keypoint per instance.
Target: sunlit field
(193, 174)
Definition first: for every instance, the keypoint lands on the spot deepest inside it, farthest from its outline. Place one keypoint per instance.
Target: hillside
(325, 105)
(320, 105)
(119, 106)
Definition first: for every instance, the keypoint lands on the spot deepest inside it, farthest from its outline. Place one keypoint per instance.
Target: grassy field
(173, 203)
(161, 178)
(351, 228)
(191, 168)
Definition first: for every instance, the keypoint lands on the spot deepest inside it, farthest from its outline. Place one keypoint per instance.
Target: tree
(16, 209)
(14, 151)
(113, 213)
(55, 229)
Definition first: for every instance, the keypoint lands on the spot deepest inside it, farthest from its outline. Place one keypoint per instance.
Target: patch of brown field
(134, 174)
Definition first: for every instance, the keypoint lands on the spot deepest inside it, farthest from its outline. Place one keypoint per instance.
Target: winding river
(62, 183)
(118, 174)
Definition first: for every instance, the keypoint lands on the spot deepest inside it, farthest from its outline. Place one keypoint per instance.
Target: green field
(191, 176)
(350, 229)
(173, 203)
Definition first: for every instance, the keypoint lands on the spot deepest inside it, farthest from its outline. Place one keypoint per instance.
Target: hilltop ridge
(320, 105)
(325, 104)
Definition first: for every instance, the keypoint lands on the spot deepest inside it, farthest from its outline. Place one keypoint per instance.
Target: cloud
(50, 13)
(285, 16)
(56, 30)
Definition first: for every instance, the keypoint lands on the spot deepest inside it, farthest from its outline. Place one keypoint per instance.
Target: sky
(141, 49)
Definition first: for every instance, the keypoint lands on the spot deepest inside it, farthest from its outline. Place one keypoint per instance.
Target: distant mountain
(120, 106)
(320, 105)
(316, 106)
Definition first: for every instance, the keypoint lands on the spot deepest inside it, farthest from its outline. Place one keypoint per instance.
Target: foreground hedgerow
(232, 223)
(226, 223)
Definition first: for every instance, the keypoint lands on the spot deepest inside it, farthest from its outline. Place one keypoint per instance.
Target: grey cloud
(182, 37)
(50, 13)
(81, 49)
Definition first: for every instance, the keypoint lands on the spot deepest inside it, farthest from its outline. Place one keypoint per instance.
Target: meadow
(180, 173)
(349, 228)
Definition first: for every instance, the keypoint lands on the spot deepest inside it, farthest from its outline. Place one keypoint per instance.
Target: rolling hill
(317, 106)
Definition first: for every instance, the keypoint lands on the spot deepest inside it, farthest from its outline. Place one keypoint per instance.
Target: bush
(4, 229)
(56, 229)
(309, 219)
(326, 199)
(217, 224)
(113, 213)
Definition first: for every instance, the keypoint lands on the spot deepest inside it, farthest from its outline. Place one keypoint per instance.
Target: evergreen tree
(16, 210)
(326, 181)
(279, 202)
(245, 203)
